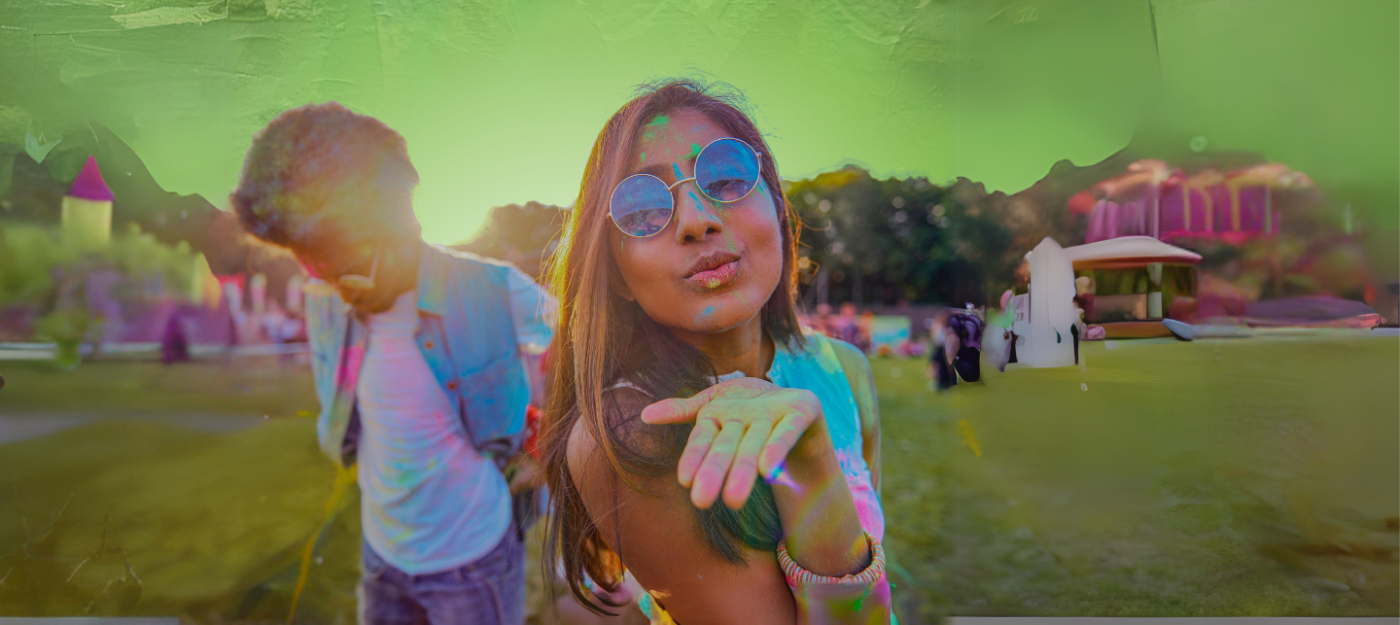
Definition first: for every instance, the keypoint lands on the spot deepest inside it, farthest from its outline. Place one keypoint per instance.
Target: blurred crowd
(847, 325)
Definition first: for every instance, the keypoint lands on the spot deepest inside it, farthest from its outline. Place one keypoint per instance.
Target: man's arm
(321, 337)
(534, 311)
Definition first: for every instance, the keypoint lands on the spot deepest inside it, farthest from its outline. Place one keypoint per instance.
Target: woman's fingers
(710, 477)
(735, 437)
(668, 411)
(679, 409)
(701, 437)
(784, 437)
(739, 483)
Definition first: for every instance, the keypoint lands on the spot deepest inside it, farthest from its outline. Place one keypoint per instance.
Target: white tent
(1127, 252)
(1134, 253)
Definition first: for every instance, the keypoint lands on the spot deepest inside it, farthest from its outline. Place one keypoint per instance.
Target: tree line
(863, 240)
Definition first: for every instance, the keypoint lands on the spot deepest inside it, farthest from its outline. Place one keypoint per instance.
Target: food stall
(1128, 284)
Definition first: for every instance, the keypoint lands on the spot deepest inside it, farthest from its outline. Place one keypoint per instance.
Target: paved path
(15, 428)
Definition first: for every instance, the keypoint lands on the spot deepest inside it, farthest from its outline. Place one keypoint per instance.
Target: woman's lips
(717, 277)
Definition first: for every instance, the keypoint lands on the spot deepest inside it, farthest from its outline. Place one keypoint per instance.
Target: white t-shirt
(430, 501)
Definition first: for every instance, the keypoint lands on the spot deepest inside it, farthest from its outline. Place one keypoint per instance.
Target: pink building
(1152, 200)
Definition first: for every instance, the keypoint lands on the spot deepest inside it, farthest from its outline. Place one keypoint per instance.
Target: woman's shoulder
(855, 367)
(622, 405)
(832, 355)
(851, 358)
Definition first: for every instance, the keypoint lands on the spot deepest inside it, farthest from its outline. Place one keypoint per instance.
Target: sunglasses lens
(641, 205)
(727, 170)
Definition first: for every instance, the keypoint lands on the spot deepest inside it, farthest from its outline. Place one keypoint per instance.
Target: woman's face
(715, 264)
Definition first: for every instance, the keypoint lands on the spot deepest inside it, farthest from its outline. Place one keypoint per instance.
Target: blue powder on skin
(698, 203)
(709, 310)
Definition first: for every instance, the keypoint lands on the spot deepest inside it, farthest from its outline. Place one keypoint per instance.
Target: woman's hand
(743, 427)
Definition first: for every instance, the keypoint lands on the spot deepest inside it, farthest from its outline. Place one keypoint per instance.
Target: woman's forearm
(817, 510)
(824, 536)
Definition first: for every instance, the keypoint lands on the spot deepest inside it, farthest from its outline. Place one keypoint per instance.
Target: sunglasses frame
(758, 157)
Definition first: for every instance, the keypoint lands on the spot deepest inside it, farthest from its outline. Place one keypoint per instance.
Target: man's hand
(526, 474)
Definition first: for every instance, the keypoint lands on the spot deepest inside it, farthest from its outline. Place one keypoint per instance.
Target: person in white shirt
(419, 355)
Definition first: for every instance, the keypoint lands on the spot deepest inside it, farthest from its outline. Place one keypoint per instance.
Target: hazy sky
(500, 100)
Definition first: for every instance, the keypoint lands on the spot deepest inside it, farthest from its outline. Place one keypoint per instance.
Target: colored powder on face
(709, 310)
(677, 170)
(661, 120)
(642, 158)
(695, 198)
(695, 149)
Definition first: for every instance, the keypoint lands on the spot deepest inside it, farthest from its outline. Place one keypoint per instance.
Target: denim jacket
(467, 337)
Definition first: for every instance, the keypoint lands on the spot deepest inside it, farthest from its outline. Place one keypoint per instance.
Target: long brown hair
(603, 338)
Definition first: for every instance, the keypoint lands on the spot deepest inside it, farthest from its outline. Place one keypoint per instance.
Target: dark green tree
(883, 241)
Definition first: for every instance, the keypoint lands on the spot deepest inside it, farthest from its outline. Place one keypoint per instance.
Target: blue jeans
(488, 591)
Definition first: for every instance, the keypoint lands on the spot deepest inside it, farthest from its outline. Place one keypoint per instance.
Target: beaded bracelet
(870, 575)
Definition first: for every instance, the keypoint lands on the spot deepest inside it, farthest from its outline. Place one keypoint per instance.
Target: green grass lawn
(1211, 478)
(1181, 479)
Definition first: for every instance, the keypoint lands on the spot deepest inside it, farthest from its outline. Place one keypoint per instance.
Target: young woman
(747, 497)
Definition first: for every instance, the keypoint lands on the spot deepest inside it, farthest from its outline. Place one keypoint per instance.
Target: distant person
(865, 331)
(174, 347)
(1084, 296)
(821, 319)
(418, 359)
(997, 340)
(846, 326)
(965, 345)
(1007, 340)
(940, 364)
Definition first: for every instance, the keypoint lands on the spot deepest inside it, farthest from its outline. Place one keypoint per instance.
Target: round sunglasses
(726, 170)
